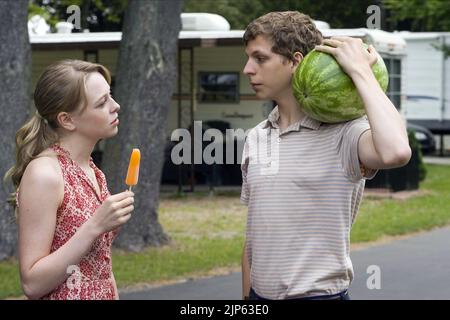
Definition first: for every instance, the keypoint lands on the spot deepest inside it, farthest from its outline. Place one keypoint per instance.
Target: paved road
(437, 160)
(413, 268)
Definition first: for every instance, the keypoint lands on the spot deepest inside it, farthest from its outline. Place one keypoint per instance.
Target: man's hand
(350, 54)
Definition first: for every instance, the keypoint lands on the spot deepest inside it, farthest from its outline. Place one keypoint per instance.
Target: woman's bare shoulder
(44, 170)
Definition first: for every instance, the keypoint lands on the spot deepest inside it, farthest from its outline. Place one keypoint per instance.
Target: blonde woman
(66, 215)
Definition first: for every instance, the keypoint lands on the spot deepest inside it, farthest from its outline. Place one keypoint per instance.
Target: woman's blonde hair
(60, 88)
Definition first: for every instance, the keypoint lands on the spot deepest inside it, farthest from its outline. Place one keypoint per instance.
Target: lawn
(207, 233)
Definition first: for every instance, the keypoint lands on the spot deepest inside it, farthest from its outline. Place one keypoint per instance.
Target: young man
(302, 179)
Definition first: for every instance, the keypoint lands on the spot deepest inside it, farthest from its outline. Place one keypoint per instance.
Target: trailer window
(395, 85)
(219, 87)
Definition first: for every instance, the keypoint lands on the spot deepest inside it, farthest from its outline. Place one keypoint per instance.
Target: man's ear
(298, 57)
(65, 121)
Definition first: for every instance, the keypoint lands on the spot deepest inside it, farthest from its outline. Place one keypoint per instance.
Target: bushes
(403, 178)
(415, 148)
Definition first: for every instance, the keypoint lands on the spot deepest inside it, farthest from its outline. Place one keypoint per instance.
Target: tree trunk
(15, 60)
(146, 75)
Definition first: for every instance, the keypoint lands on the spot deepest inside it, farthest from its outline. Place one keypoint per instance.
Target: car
(425, 138)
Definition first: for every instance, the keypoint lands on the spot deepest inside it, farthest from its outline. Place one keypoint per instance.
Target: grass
(207, 233)
(378, 218)
(9, 279)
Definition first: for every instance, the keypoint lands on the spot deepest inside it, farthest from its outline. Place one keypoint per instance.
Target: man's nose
(248, 68)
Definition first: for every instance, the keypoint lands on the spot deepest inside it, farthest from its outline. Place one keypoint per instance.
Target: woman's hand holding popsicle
(114, 212)
(116, 209)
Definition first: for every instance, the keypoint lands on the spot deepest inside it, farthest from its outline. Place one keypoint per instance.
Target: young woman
(66, 215)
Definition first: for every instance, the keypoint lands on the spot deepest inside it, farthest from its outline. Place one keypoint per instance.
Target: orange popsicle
(133, 168)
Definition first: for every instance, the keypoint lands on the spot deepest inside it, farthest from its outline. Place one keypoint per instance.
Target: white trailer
(427, 77)
(211, 86)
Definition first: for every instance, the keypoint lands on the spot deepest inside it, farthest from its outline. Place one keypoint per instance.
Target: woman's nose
(116, 107)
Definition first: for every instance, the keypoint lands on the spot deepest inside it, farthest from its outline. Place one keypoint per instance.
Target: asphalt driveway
(413, 268)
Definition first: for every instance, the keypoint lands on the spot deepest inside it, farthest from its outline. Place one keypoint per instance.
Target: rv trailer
(427, 77)
(211, 87)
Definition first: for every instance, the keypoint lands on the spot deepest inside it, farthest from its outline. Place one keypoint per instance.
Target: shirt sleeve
(245, 192)
(348, 140)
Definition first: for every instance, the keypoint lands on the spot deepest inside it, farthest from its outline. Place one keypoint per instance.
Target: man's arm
(245, 274)
(386, 145)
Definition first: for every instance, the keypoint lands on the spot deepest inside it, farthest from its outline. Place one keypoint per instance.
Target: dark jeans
(339, 296)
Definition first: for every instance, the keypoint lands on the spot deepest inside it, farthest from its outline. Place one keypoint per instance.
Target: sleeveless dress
(92, 278)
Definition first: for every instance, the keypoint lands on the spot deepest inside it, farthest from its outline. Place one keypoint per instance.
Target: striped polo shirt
(303, 188)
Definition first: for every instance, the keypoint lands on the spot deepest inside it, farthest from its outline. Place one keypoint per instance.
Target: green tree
(146, 74)
(15, 73)
(96, 15)
(419, 15)
(221, 7)
(340, 14)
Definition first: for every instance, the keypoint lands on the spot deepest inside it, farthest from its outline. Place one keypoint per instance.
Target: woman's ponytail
(32, 138)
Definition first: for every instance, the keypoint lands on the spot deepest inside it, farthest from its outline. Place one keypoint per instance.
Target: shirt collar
(306, 122)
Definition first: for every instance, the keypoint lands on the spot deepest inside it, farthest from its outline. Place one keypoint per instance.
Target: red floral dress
(92, 277)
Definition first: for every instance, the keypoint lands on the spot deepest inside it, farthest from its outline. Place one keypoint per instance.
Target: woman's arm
(115, 287)
(41, 192)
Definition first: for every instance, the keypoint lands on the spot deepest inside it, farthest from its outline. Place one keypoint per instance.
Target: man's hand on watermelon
(350, 53)
(386, 145)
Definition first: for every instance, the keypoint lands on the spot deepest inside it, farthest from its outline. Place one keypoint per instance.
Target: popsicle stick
(129, 189)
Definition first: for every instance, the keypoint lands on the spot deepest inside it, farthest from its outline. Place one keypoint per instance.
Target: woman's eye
(105, 100)
(103, 103)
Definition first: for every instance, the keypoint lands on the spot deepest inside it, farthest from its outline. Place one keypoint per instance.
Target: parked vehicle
(425, 137)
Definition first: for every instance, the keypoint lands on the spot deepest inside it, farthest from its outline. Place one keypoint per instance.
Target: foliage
(349, 14)
(419, 15)
(415, 148)
(96, 15)
(225, 8)
(414, 15)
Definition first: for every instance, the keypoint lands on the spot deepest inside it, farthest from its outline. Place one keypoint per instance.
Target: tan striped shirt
(303, 188)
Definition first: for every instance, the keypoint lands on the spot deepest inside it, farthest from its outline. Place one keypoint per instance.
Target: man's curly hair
(289, 31)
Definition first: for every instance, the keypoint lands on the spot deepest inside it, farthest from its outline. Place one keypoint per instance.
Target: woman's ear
(65, 121)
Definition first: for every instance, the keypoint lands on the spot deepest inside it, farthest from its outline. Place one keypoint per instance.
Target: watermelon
(326, 93)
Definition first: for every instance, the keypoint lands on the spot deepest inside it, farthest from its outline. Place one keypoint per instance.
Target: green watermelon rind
(310, 93)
